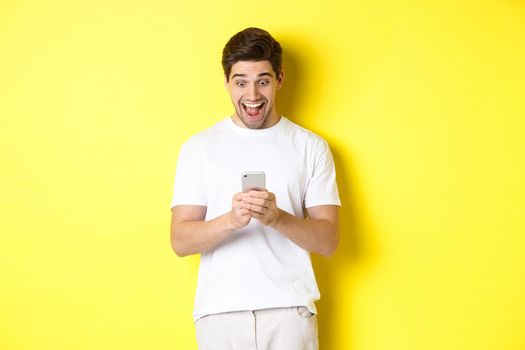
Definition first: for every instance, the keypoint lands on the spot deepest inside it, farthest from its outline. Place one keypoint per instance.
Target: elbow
(180, 251)
(178, 247)
(331, 246)
(328, 251)
(178, 244)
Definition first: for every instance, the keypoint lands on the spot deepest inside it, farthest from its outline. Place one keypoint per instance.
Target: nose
(253, 93)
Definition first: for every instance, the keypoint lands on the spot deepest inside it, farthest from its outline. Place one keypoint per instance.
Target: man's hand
(239, 216)
(262, 206)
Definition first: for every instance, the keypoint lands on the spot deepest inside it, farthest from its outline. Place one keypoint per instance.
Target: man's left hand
(262, 206)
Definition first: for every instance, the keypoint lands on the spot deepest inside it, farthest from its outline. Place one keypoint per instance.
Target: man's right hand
(191, 233)
(239, 217)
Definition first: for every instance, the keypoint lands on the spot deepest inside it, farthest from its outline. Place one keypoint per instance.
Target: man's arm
(319, 233)
(190, 234)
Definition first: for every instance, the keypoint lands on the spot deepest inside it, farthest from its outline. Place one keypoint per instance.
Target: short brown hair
(251, 44)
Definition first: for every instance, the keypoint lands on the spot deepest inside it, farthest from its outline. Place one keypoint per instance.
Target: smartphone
(253, 180)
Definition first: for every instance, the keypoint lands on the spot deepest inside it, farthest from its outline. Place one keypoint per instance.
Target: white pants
(289, 328)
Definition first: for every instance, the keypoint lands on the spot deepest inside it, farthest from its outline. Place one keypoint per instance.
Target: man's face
(252, 88)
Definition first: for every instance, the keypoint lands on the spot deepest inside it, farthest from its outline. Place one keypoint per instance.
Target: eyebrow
(259, 75)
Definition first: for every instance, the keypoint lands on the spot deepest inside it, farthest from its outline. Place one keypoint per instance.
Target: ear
(280, 79)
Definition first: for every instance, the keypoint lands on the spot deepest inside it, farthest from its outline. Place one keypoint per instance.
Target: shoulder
(300, 133)
(205, 136)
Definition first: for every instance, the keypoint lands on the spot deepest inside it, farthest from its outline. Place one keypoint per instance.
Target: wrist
(278, 218)
(227, 224)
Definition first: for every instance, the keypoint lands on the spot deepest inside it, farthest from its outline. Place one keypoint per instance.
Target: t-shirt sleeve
(189, 186)
(322, 186)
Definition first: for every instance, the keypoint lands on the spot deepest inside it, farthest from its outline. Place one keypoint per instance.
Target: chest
(285, 163)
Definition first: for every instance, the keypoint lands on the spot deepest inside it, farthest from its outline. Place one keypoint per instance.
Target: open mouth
(253, 110)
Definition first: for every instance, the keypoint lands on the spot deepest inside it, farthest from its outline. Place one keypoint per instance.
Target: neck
(273, 119)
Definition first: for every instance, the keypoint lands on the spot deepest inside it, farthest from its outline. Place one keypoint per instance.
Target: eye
(240, 83)
(264, 82)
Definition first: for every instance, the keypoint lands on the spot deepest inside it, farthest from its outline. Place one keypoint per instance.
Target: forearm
(318, 236)
(192, 237)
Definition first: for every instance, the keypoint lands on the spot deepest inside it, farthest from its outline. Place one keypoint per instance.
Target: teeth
(253, 105)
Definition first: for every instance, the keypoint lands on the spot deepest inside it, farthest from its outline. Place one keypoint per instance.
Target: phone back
(253, 180)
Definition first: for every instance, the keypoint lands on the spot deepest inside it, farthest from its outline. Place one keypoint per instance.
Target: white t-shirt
(256, 267)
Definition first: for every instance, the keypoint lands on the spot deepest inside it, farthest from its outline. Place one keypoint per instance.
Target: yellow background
(422, 103)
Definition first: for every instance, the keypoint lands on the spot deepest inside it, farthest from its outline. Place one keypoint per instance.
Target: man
(256, 287)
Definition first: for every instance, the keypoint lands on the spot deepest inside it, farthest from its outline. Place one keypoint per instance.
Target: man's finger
(256, 215)
(262, 194)
(256, 209)
(257, 201)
